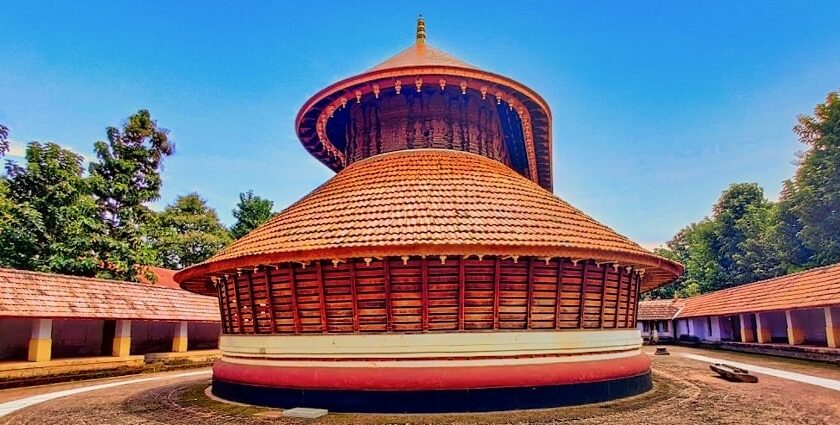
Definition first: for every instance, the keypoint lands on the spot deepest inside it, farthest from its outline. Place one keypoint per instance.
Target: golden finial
(421, 31)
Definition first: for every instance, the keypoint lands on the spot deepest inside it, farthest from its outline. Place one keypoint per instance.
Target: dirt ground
(685, 392)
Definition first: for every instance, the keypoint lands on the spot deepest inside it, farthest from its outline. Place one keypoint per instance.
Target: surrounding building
(436, 271)
(796, 310)
(657, 318)
(50, 323)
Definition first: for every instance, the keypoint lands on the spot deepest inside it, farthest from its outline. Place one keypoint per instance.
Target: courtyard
(685, 392)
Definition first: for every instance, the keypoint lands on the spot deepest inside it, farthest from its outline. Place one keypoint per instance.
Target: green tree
(250, 212)
(124, 179)
(744, 241)
(812, 196)
(4, 140)
(188, 232)
(48, 220)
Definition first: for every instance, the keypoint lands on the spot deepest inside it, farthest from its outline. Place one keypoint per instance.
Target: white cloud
(16, 149)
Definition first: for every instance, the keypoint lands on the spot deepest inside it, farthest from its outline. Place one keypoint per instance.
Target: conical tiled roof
(421, 55)
(431, 202)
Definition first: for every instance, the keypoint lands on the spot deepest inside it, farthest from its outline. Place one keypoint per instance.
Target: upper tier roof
(429, 202)
(428, 64)
(421, 55)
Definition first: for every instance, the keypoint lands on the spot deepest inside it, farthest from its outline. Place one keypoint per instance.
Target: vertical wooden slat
(618, 296)
(226, 295)
(559, 301)
(293, 289)
(270, 298)
(250, 281)
(603, 297)
(462, 290)
(636, 298)
(582, 301)
(226, 325)
(627, 300)
(424, 283)
(238, 299)
(497, 276)
(352, 266)
(530, 293)
(221, 306)
(386, 274)
(322, 301)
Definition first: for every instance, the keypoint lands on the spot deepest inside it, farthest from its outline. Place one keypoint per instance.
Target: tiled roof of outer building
(660, 309)
(48, 295)
(164, 277)
(812, 288)
(429, 202)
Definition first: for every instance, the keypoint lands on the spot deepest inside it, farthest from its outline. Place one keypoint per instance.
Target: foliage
(250, 212)
(48, 220)
(749, 238)
(4, 140)
(812, 196)
(187, 232)
(124, 179)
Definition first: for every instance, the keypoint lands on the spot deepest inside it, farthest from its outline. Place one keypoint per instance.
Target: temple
(436, 271)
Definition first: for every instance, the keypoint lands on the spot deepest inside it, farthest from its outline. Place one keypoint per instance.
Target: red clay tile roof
(818, 287)
(660, 309)
(164, 277)
(47, 295)
(430, 202)
(421, 55)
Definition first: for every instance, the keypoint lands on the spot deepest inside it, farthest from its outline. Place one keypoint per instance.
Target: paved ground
(686, 392)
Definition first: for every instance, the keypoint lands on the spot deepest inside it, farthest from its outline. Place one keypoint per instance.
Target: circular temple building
(436, 271)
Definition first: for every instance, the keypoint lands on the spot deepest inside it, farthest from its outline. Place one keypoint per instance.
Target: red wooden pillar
(351, 264)
(619, 290)
(322, 301)
(270, 299)
(603, 296)
(497, 277)
(559, 300)
(250, 282)
(583, 285)
(386, 273)
(293, 289)
(529, 298)
(218, 286)
(627, 300)
(424, 283)
(462, 290)
(238, 299)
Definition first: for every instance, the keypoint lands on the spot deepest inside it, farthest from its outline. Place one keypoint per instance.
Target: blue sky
(658, 106)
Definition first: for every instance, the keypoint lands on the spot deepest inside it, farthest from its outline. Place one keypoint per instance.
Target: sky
(657, 106)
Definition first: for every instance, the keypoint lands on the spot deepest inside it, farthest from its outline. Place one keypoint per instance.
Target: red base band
(430, 378)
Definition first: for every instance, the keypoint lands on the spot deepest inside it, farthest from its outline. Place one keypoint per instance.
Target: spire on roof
(421, 31)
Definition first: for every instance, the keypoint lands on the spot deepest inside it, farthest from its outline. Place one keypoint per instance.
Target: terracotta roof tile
(660, 309)
(812, 288)
(421, 55)
(430, 201)
(164, 277)
(34, 294)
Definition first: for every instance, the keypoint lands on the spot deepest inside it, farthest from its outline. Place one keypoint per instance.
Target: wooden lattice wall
(428, 295)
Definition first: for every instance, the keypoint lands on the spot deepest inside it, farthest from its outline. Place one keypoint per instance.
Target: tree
(744, 235)
(812, 196)
(4, 141)
(250, 212)
(124, 179)
(188, 232)
(48, 220)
